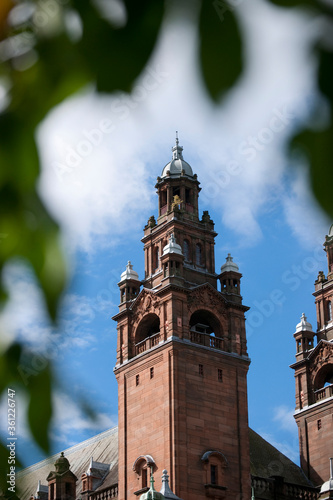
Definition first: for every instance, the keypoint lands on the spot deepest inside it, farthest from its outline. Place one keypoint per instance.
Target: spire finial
(177, 151)
(331, 467)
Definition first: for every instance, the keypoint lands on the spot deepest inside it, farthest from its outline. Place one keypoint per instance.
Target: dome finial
(177, 140)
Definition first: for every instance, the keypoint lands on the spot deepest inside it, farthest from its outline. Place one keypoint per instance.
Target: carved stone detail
(145, 304)
(207, 298)
(323, 355)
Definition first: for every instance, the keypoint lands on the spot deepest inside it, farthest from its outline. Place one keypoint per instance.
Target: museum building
(181, 369)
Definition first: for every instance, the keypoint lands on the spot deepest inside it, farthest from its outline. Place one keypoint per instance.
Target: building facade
(314, 378)
(181, 368)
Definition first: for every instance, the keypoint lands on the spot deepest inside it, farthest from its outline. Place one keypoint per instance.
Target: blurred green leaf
(294, 3)
(318, 146)
(116, 57)
(40, 407)
(9, 361)
(325, 73)
(220, 47)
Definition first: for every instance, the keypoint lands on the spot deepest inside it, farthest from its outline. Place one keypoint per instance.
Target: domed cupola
(172, 246)
(303, 325)
(304, 336)
(230, 278)
(129, 286)
(178, 188)
(172, 260)
(177, 166)
(61, 464)
(229, 265)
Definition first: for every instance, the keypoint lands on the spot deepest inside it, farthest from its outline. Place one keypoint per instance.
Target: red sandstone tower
(314, 379)
(181, 357)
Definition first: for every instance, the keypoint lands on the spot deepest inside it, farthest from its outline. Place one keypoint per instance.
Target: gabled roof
(266, 461)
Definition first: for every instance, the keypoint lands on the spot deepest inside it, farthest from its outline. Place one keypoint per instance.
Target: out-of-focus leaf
(325, 74)
(5, 7)
(294, 3)
(9, 361)
(116, 57)
(27, 229)
(220, 47)
(40, 407)
(319, 149)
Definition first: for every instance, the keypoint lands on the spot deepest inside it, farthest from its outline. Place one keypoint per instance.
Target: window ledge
(216, 491)
(143, 490)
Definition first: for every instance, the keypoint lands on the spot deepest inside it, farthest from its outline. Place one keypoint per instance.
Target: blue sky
(100, 159)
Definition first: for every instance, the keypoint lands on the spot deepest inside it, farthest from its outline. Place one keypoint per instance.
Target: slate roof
(266, 461)
(103, 448)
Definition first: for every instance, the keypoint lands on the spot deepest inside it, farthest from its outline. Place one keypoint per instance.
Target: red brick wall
(179, 414)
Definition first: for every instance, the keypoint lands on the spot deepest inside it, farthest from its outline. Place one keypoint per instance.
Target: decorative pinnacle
(331, 468)
(152, 480)
(177, 151)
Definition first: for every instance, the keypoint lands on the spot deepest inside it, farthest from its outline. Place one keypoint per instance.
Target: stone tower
(181, 355)
(314, 378)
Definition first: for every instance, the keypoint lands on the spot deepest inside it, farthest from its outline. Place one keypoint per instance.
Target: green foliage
(116, 57)
(112, 56)
(220, 47)
(40, 407)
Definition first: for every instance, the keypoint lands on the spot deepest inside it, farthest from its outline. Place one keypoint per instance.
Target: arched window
(141, 466)
(147, 334)
(186, 250)
(156, 258)
(198, 254)
(214, 464)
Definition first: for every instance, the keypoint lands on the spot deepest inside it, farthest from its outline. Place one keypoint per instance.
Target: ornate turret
(62, 481)
(129, 285)
(304, 338)
(230, 278)
(182, 342)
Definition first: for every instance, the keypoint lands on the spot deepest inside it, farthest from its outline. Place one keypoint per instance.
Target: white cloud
(70, 418)
(302, 211)
(285, 418)
(104, 190)
(24, 316)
